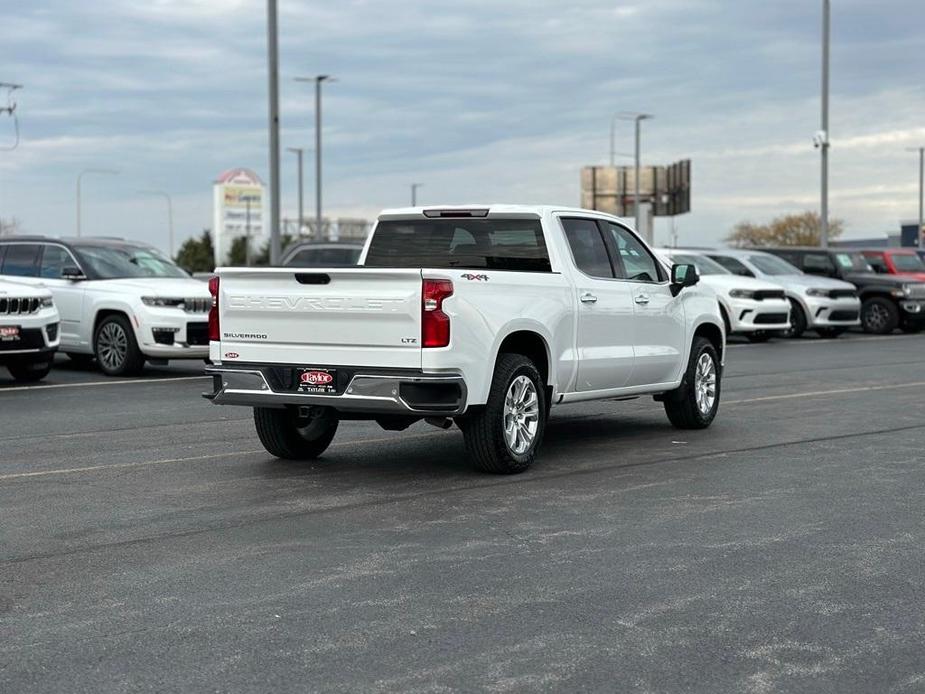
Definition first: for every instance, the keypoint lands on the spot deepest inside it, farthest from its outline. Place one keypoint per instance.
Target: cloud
(477, 99)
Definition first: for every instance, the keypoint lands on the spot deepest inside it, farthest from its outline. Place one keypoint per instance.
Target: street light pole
(919, 239)
(164, 194)
(79, 178)
(637, 118)
(824, 146)
(298, 152)
(317, 79)
(273, 104)
(247, 232)
(414, 193)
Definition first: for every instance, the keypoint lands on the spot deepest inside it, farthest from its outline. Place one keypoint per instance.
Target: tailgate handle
(312, 278)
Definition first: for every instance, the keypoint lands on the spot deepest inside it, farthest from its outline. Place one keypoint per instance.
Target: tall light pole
(824, 135)
(637, 118)
(613, 134)
(79, 178)
(920, 239)
(273, 103)
(298, 152)
(317, 79)
(414, 193)
(164, 194)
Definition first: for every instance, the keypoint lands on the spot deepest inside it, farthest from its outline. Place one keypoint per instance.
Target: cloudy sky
(480, 100)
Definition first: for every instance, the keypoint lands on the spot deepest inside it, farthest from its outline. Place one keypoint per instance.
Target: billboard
(611, 189)
(237, 197)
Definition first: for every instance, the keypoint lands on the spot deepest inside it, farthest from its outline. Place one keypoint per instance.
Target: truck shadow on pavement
(440, 455)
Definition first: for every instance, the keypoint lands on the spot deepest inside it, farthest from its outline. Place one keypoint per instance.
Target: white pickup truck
(483, 315)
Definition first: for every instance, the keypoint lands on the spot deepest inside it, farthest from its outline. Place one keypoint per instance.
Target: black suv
(887, 301)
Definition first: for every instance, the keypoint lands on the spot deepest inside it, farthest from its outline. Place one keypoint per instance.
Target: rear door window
(54, 260)
(465, 243)
(21, 260)
(588, 248)
(818, 263)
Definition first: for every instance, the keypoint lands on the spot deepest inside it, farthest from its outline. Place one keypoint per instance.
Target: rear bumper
(366, 392)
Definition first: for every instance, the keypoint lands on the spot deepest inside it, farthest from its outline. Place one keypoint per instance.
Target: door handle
(588, 298)
(641, 299)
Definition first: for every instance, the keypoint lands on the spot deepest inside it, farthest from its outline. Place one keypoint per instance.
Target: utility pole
(414, 193)
(164, 194)
(273, 91)
(824, 135)
(919, 239)
(247, 232)
(79, 178)
(298, 152)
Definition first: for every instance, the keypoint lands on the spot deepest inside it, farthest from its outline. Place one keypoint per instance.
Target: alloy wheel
(521, 415)
(112, 346)
(705, 383)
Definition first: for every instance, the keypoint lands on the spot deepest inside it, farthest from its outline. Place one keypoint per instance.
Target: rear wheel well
(530, 345)
(712, 332)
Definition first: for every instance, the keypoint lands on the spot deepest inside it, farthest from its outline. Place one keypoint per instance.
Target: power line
(10, 110)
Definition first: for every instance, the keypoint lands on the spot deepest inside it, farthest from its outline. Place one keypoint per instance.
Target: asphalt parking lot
(149, 544)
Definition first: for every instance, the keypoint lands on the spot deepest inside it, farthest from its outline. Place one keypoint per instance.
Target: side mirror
(70, 272)
(683, 276)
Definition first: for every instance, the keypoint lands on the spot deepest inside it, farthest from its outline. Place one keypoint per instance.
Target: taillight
(435, 324)
(213, 312)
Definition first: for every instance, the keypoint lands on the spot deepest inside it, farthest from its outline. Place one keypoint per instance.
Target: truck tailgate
(318, 317)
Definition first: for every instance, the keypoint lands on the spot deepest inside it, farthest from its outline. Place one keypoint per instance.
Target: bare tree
(803, 229)
(9, 227)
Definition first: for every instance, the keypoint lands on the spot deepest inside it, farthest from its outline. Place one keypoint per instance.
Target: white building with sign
(237, 204)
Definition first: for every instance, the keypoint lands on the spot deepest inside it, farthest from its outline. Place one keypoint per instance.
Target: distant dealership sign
(237, 198)
(611, 189)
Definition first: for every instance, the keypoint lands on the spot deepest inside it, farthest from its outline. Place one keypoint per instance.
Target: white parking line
(208, 456)
(817, 393)
(859, 340)
(90, 384)
(229, 454)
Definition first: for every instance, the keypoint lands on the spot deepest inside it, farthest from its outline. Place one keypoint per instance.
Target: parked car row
(123, 303)
(118, 302)
(823, 290)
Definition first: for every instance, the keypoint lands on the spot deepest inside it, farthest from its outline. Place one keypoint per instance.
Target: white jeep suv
(121, 302)
(28, 330)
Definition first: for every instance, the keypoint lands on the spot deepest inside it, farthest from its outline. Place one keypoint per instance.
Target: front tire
(879, 316)
(503, 436)
(115, 347)
(797, 320)
(695, 403)
(29, 371)
(287, 434)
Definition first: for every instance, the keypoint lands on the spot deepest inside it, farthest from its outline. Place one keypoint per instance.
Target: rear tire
(287, 435)
(503, 436)
(694, 404)
(115, 347)
(879, 316)
(29, 371)
(797, 320)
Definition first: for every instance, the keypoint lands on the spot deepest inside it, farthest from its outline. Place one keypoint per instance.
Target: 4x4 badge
(469, 276)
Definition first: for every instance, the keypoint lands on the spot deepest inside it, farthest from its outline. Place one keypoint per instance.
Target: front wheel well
(714, 334)
(104, 313)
